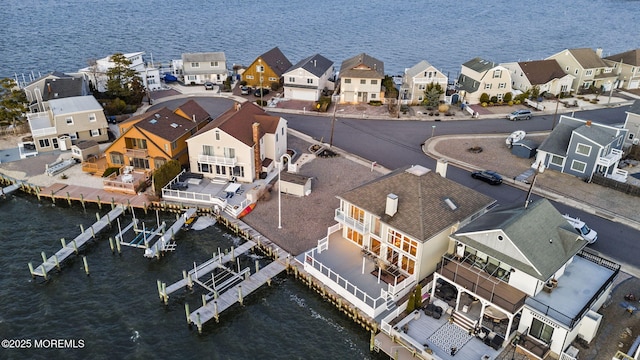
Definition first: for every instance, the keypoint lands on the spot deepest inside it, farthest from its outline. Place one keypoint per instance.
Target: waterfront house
(390, 234)
(416, 79)
(67, 121)
(238, 145)
(149, 140)
(478, 76)
(627, 67)
(582, 148)
(267, 69)
(547, 75)
(97, 71)
(55, 85)
(520, 274)
(361, 79)
(587, 67)
(198, 68)
(632, 124)
(307, 79)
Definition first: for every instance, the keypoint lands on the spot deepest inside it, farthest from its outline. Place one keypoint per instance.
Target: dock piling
(84, 207)
(204, 300)
(215, 311)
(44, 272)
(257, 265)
(99, 202)
(44, 257)
(240, 300)
(81, 229)
(186, 310)
(75, 246)
(31, 270)
(159, 284)
(164, 293)
(64, 243)
(111, 245)
(118, 247)
(55, 257)
(199, 324)
(69, 198)
(86, 265)
(93, 232)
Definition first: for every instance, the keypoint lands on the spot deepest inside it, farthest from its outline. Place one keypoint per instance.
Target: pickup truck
(587, 233)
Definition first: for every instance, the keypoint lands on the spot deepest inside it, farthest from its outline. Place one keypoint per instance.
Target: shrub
(508, 97)
(243, 83)
(484, 104)
(261, 102)
(275, 86)
(110, 171)
(164, 174)
(510, 103)
(518, 102)
(411, 305)
(418, 296)
(375, 103)
(484, 98)
(494, 99)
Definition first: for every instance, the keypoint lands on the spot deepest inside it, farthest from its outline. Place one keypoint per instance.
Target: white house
(627, 66)
(416, 79)
(308, 78)
(97, 72)
(361, 79)
(547, 75)
(198, 68)
(478, 76)
(241, 143)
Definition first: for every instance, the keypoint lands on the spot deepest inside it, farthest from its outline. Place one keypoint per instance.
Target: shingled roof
(362, 66)
(479, 65)
(163, 123)
(238, 122)
(315, 64)
(588, 58)
(276, 60)
(422, 211)
(539, 238)
(540, 72)
(631, 57)
(191, 110)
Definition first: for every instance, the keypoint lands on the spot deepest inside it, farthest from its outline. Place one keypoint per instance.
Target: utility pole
(333, 119)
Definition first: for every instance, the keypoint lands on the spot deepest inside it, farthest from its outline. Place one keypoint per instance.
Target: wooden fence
(616, 185)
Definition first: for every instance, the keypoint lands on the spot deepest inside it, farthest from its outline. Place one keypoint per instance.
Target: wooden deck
(72, 247)
(84, 194)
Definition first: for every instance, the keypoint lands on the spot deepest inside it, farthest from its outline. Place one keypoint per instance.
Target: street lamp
(335, 99)
(279, 188)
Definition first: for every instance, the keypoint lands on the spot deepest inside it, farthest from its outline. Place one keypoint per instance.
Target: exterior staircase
(463, 321)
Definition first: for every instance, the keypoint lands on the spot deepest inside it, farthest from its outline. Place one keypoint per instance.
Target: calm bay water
(116, 310)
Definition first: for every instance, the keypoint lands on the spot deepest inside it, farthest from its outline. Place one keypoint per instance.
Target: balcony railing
(217, 160)
(533, 346)
(610, 159)
(137, 153)
(482, 284)
(343, 218)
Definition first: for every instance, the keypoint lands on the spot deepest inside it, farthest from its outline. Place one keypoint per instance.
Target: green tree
(390, 91)
(508, 97)
(123, 82)
(418, 296)
(13, 103)
(432, 95)
(411, 304)
(484, 98)
(535, 92)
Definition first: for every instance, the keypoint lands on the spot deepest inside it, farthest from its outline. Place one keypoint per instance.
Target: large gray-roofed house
(539, 241)
(422, 210)
(308, 78)
(478, 76)
(361, 79)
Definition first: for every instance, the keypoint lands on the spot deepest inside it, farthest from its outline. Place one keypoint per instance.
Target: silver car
(519, 115)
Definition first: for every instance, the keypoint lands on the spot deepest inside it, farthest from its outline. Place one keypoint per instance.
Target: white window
(347, 81)
(214, 64)
(92, 117)
(487, 86)
(557, 160)
(309, 81)
(259, 68)
(217, 135)
(374, 82)
(583, 149)
(363, 82)
(502, 85)
(292, 79)
(195, 64)
(564, 88)
(588, 73)
(273, 79)
(69, 120)
(373, 96)
(540, 330)
(422, 87)
(207, 150)
(250, 77)
(192, 77)
(607, 70)
(95, 132)
(578, 166)
(497, 73)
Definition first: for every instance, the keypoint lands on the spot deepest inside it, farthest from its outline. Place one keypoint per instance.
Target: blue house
(582, 148)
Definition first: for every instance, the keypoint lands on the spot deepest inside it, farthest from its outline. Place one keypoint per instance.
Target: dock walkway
(164, 243)
(72, 247)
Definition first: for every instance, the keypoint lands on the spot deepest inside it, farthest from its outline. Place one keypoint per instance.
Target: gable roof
(417, 68)
(538, 232)
(276, 60)
(631, 57)
(468, 84)
(634, 108)
(558, 140)
(192, 110)
(422, 211)
(56, 88)
(540, 72)
(315, 64)
(204, 56)
(362, 66)
(163, 123)
(238, 122)
(479, 65)
(588, 58)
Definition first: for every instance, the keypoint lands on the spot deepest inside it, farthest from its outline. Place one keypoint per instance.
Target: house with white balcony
(389, 234)
(583, 148)
(547, 75)
(416, 79)
(520, 274)
(67, 121)
(361, 79)
(588, 69)
(97, 71)
(198, 68)
(627, 67)
(307, 79)
(632, 124)
(478, 76)
(238, 145)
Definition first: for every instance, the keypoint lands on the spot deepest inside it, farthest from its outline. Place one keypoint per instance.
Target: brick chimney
(257, 162)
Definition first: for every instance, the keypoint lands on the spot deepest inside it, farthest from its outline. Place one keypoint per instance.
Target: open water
(116, 311)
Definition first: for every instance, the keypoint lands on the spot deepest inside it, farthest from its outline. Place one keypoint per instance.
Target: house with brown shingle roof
(361, 79)
(241, 143)
(627, 66)
(266, 69)
(547, 75)
(588, 67)
(396, 229)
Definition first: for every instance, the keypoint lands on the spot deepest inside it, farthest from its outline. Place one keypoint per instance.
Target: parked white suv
(587, 233)
(520, 114)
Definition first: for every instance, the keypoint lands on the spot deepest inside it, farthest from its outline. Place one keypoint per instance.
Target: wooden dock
(165, 242)
(68, 249)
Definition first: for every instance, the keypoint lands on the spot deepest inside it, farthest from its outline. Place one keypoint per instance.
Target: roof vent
(157, 115)
(450, 203)
(153, 121)
(392, 205)
(174, 125)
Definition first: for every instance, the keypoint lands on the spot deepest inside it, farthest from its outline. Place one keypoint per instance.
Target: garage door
(302, 94)
(634, 84)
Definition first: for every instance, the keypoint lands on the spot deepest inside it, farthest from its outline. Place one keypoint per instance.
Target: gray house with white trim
(306, 79)
(582, 148)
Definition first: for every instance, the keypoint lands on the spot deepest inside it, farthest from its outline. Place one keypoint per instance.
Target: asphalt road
(393, 144)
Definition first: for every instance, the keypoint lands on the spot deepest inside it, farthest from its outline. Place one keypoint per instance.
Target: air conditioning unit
(636, 141)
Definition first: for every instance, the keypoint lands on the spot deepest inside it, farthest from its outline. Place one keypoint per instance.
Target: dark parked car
(487, 176)
(264, 92)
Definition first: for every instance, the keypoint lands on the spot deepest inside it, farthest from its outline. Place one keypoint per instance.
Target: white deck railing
(217, 160)
(351, 222)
